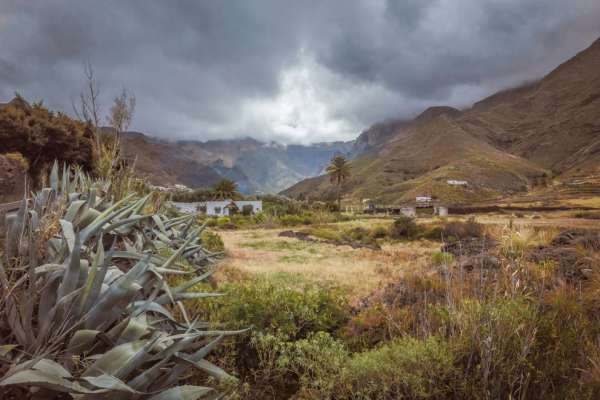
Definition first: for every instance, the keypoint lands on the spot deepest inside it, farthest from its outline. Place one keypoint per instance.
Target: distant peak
(436, 111)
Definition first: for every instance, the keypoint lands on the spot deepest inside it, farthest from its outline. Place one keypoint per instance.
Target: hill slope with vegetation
(508, 143)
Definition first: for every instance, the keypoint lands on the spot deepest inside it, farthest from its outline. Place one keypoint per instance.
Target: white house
(187, 208)
(220, 208)
(454, 182)
(229, 207)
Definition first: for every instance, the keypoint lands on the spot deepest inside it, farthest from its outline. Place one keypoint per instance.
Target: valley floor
(362, 270)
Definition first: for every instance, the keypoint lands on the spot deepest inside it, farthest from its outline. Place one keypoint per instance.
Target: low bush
(290, 339)
(404, 228)
(405, 368)
(292, 313)
(225, 223)
(588, 214)
(461, 230)
(379, 232)
(212, 241)
(442, 258)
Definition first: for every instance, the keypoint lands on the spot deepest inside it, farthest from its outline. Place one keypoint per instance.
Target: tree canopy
(43, 136)
(339, 171)
(225, 189)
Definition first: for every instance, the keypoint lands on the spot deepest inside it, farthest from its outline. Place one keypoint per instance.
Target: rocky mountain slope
(254, 165)
(514, 141)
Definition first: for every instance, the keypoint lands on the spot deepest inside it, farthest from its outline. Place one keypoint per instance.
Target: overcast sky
(286, 70)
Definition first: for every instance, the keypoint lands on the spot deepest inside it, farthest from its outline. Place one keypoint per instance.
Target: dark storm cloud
(292, 71)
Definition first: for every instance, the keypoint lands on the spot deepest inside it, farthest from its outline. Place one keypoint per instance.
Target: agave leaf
(187, 296)
(184, 392)
(139, 205)
(137, 327)
(105, 216)
(54, 177)
(87, 217)
(183, 287)
(71, 277)
(81, 340)
(73, 209)
(179, 251)
(137, 360)
(126, 221)
(43, 269)
(96, 276)
(111, 361)
(51, 367)
(32, 377)
(159, 223)
(64, 180)
(181, 368)
(149, 376)
(68, 233)
(34, 220)
(119, 293)
(108, 382)
(206, 366)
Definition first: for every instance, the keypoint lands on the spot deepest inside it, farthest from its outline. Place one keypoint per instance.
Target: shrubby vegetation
(521, 329)
(41, 136)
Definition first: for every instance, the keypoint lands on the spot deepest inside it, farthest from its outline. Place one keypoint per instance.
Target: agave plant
(87, 306)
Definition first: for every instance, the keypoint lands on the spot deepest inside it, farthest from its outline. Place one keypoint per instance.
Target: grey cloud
(206, 69)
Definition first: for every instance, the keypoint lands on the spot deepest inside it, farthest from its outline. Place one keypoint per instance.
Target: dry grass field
(361, 270)
(263, 251)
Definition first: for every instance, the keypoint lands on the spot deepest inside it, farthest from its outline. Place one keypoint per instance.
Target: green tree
(339, 171)
(225, 189)
(42, 136)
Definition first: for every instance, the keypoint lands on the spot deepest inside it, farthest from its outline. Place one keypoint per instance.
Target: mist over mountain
(257, 167)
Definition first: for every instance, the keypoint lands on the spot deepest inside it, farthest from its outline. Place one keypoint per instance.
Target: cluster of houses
(220, 208)
(175, 188)
(421, 202)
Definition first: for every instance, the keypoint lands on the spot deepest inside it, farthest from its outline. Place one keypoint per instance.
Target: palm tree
(225, 189)
(339, 171)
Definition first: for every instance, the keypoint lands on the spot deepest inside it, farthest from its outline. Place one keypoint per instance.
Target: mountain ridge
(507, 143)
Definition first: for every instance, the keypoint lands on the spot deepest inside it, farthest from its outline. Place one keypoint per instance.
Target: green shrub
(289, 312)
(211, 222)
(303, 368)
(291, 220)
(325, 233)
(588, 214)
(224, 222)
(357, 234)
(493, 341)
(405, 368)
(212, 241)
(460, 230)
(284, 347)
(259, 218)
(379, 232)
(442, 258)
(404, 228)
(434, 233)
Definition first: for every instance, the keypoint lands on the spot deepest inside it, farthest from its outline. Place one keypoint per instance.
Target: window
(217, 210)
(247, 209)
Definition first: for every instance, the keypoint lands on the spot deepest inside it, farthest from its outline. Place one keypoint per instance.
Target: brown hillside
(507, 143)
